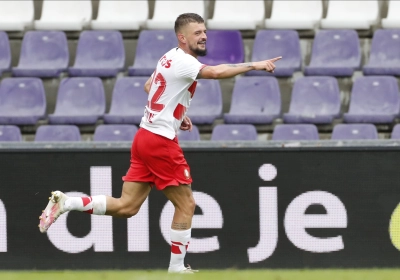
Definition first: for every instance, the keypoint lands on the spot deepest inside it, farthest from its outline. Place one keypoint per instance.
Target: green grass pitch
(327, 274)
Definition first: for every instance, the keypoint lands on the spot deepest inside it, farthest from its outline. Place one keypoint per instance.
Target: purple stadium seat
(384, 57)
(354, 132)
(374, 99)
(128, 101)
(43, 54)
(10, 133)
(22, 101)
(255, 100)
(334, 53)
(151, 46)
(206, 105)
(314, 100)
(273, 43)
(295, 132)
(223, 46)
(57, 133)
(238, 132)
(114, 132)
(5, 53)
(396, 132)
(186, 135)
(79, 101)
(99, 53)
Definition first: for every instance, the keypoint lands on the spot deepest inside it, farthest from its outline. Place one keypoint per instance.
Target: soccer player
(156, 158)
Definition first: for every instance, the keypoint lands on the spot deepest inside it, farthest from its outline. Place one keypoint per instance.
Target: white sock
(92, 204)
(180, 242)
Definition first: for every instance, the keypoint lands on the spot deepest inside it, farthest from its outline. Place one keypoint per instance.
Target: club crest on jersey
(186, 173)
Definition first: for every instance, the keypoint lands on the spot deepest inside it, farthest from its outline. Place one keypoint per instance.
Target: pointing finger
(275, 59)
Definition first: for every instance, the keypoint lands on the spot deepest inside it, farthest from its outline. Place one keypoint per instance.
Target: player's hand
(186, 124)
(267, 65)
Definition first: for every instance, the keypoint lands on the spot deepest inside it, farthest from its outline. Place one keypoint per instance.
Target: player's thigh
(181, 197)
(134, 194)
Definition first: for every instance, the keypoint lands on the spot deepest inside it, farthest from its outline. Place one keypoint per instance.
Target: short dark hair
(185, 19)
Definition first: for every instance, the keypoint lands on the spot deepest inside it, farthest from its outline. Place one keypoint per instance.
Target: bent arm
(147, 85)
(223, 71)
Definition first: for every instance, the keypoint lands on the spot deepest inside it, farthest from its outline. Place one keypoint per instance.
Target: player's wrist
(259, 65)
(250, 66)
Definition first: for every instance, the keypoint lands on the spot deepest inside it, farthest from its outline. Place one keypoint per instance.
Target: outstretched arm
(223, 71)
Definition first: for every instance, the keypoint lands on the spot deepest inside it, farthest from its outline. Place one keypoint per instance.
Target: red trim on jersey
(203, 66)
(179, 111)
(192, 88)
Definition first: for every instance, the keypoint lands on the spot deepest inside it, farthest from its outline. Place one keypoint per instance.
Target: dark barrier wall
(276, 208)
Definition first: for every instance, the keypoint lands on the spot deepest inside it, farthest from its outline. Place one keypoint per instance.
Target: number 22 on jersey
(153, 105)
(161, 84)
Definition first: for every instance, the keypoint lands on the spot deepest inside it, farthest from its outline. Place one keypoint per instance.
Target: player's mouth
(203, 43)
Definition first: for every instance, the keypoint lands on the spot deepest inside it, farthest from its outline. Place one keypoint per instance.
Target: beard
(198, 51)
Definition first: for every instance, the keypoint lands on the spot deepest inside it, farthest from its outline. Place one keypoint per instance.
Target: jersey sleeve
(188, 67)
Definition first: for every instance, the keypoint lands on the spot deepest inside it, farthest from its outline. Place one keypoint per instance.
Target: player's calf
(126, 212)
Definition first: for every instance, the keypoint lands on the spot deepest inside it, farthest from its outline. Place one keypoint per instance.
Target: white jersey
(172, 88)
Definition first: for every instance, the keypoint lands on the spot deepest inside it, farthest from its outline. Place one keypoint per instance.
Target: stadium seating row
(255, 100)
(81, 100)
(66, 133)
(221, 132)
(102, 54)
(298, 132)
(132, 15)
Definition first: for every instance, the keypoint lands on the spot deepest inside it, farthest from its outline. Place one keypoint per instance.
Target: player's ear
(181, 38)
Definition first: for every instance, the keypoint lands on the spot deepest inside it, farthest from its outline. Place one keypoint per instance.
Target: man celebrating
(156, 158)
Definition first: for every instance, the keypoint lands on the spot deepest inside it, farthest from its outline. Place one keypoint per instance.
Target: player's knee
(128, 212)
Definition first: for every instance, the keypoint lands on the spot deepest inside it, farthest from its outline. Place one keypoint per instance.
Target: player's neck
(187, 50)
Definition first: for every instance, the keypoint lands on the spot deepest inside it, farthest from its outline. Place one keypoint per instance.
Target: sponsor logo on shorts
(187, 174)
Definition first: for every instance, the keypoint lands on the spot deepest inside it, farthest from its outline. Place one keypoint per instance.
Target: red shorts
(157, 160)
